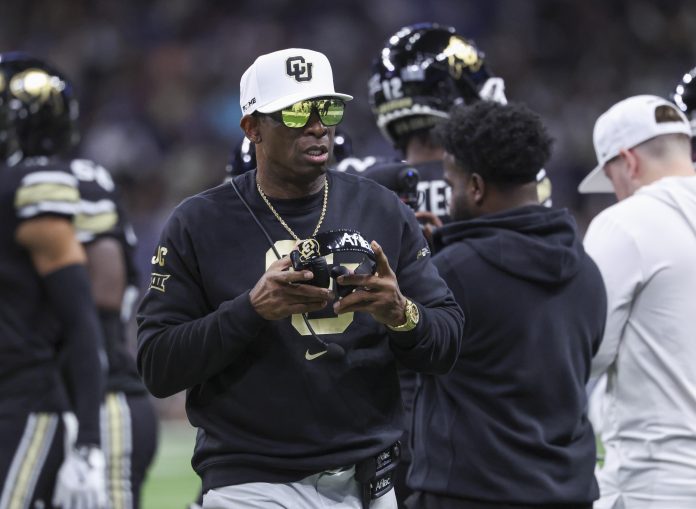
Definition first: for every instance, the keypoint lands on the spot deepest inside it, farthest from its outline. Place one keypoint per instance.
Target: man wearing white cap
(645, 247)
(293, 390)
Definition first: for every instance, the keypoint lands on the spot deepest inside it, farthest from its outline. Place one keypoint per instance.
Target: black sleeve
(182, 341)
(433, 346)
(70, 295)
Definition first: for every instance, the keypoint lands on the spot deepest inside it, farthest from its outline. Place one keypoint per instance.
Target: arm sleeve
(182, 340)
(69, 293)
(434, 345)
(617, 256)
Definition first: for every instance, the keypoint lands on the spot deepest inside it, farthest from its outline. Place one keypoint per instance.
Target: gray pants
(335, 490)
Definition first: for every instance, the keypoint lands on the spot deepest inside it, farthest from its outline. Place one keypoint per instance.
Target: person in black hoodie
(508, 426)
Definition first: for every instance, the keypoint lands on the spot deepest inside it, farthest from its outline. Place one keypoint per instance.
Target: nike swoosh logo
(312, 356)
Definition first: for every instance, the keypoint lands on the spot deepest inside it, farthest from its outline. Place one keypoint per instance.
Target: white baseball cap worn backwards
(626, 124)
(277, 80)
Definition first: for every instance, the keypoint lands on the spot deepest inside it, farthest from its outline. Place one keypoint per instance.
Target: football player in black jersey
(294, 392)
(424, 70)
(45, 133)
(48, 319)
(421, 73)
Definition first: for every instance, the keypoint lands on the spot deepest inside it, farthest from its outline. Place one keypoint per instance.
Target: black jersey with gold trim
(101, 215)
(29, 332)
(101, 211)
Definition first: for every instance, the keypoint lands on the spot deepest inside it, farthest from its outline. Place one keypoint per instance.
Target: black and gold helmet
(422, 71)
(40, 105)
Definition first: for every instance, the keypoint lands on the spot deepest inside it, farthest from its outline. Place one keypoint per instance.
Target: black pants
(31, 452)
(129, 440)
(424, 500)
(32, 448)
(400, 488)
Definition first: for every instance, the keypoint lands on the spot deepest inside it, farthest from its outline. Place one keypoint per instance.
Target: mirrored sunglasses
(297, 115)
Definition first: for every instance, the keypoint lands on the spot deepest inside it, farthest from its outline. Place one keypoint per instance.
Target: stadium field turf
(171, 482)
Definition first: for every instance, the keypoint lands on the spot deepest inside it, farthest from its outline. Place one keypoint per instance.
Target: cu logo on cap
(298, 68)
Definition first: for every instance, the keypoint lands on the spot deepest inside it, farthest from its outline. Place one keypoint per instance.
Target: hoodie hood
(679, 193)
(533, 242)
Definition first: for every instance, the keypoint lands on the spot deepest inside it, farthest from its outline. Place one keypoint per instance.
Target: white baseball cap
(626, 124)
(284, 77)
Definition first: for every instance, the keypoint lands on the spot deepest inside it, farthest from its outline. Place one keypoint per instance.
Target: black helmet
(422, 71)
(41, 105)
(242, 159)
(343, 145)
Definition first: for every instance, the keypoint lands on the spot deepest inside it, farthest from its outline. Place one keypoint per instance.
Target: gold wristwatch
(412, 317)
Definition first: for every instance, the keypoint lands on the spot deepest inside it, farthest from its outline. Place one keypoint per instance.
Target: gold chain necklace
(280, 219)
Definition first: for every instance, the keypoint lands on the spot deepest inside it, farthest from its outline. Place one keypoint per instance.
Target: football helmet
(422, 71)
(39, 101)
(343, 146)
(242, 159)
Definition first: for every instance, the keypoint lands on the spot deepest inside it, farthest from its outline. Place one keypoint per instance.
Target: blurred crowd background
(158, 80)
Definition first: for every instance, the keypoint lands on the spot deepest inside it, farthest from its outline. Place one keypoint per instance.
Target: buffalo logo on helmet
(298, 68)
(37, 85)
(461, 55)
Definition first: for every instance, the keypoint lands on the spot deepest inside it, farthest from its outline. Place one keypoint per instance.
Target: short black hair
(504, 143)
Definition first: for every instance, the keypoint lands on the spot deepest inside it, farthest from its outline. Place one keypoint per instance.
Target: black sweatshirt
(265, 412)
(509, 423)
